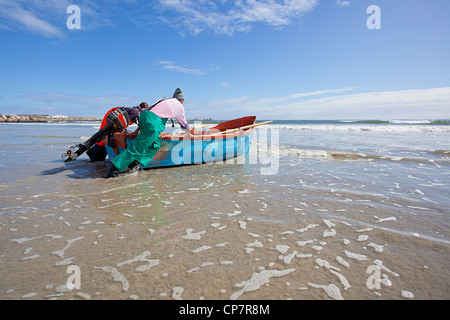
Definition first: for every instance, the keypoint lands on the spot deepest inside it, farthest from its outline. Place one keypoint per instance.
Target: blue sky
(276, 59)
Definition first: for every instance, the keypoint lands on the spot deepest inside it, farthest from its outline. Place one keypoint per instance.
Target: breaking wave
(290, 151)
(360, 127)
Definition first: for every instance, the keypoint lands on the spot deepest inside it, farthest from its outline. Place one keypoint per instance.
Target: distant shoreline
(48, 118)
(42, 118)
(35, 118)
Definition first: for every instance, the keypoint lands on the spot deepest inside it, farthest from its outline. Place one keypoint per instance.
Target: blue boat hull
(204, 149)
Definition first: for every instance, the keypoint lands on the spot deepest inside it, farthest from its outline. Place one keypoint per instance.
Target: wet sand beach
(321, 227)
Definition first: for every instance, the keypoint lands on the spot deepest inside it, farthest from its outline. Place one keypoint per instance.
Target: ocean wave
(442, 153)
(363, 127)
(394, 121)
(411, 121)
(290, 151)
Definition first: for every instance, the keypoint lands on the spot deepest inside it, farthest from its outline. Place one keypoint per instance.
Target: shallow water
(351, 211)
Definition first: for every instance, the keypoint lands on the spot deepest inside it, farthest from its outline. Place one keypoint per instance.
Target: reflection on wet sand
(216, 232)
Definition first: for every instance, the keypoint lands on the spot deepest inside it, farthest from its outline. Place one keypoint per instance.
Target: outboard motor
(116, 121)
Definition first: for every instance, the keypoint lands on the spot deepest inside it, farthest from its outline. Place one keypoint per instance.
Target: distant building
(202, 119)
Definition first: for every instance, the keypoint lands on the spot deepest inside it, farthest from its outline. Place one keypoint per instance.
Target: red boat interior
(212, 132)
(235, 123)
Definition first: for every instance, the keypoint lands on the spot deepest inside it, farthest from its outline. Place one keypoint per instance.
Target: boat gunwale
(209, 136)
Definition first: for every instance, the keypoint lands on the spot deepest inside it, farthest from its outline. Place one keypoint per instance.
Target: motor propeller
(116, 121)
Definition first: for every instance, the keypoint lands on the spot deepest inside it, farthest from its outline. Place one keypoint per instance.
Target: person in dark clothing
(98, 151)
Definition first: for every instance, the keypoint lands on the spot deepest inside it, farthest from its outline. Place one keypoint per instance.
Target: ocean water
(317, 210)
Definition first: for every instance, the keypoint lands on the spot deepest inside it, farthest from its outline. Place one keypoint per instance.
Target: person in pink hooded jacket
(151, 121)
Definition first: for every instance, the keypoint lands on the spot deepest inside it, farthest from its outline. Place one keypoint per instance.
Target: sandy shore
(215, 234)
(370, 226)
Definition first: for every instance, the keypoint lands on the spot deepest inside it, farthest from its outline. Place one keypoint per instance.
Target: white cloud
(431, 103)
(189, 16)
(416, 103)
(225, 17)
(343, 3)
(171, 65)
(278, 102)
(405, 104)
(13, 13)
(48, 17)
(321, 92)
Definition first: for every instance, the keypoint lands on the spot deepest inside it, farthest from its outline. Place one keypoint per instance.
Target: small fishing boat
(224, 141)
